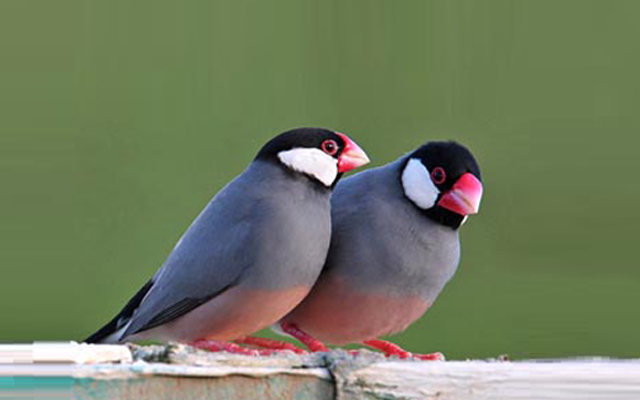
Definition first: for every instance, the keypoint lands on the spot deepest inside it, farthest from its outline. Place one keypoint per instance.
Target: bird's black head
(444, 180)
(319, 153)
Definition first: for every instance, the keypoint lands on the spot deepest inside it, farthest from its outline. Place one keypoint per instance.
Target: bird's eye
(438, 176)
(330, 147)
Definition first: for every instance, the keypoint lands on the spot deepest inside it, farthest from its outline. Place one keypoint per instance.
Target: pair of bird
(276, 247)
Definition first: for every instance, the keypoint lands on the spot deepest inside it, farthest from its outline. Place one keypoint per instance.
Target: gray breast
(384, 243)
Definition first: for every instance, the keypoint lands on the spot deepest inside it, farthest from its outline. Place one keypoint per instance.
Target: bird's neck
(278, 168)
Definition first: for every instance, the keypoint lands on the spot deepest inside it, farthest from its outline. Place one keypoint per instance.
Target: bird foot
(437, 356)
(270, 344)
(391, 349)
(217, 346)
(312, 343)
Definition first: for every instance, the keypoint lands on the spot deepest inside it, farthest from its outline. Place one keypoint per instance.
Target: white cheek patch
(313, 162)
(417, 184)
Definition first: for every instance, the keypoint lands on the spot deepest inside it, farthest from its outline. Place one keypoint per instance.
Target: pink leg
(270, 344)
(388, 348)
(216, 345)
(391, 349)
(313, 344)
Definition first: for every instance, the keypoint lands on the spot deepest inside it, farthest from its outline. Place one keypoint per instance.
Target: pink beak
(352, 155)
(464, 197)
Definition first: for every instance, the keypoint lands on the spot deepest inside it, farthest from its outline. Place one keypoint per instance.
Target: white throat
(313, 162)
(418, 186)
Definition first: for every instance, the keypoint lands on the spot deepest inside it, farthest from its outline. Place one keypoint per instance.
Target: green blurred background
(119, 120)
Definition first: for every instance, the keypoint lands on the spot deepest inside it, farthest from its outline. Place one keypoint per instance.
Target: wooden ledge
(72, 370)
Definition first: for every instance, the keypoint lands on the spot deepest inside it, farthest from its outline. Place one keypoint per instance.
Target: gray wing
(208, 259)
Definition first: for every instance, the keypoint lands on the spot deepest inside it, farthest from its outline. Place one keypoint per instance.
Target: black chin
(335, 182)
(444, 217)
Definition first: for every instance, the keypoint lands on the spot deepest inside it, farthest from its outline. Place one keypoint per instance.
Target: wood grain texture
(593, 379)
(232, 387)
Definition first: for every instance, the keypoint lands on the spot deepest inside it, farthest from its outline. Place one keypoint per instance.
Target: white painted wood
(594, 379)
(63, 352)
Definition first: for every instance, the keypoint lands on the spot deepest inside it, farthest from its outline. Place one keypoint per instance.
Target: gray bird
(252, 254)
(394, 246)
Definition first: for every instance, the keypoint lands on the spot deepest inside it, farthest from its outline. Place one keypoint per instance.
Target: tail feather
(112, 331)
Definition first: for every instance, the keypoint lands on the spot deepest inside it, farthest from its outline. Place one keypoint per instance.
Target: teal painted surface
(41, 388)
(34, 382)
(120, 119)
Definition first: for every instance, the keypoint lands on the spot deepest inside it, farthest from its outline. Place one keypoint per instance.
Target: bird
(394, 246)
(252, 253)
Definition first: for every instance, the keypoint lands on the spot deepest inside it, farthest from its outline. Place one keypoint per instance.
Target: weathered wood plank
(176, 371)
(593, 379)
(232, 387)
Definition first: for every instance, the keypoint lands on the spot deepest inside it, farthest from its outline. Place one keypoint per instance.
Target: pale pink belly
(339, 314)
(233, 314)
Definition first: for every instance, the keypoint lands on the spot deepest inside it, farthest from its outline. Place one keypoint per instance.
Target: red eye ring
(438, 176)
(330, 147)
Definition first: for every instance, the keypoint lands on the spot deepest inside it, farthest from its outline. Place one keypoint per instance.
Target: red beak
(464, 197)
(352, 155)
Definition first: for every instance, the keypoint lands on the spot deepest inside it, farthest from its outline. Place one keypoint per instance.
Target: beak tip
(465, 196)
(352, 157)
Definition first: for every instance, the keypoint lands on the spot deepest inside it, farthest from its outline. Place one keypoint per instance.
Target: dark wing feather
(122, 317)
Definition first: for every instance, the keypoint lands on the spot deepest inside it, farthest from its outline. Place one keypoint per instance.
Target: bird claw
(437, 356)
(391, 349)
(270, 344)
(218, 346)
